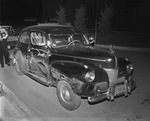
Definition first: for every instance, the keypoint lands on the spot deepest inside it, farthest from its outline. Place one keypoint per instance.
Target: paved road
(41, 102)
(10, 110)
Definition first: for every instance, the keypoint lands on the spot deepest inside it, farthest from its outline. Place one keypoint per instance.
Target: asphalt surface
(9, 108)
(37, 102)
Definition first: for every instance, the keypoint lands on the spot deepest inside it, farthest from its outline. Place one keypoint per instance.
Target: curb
(124, 48)
(28, 114)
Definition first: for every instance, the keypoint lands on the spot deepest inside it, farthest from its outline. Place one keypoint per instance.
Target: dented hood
(87, 54)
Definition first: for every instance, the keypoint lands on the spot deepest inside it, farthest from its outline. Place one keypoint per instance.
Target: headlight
(90, 76)
(129, 68)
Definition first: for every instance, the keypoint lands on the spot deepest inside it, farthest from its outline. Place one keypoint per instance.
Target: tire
(68, 99)
(17, 63)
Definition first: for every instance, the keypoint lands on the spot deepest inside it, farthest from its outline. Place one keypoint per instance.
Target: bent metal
(64, 57)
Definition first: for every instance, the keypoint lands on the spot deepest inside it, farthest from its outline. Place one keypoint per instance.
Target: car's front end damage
(99, 78)
(118, 85)
(121, 82)
(66, 58)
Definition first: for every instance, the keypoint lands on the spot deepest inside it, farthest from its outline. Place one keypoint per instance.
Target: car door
(22, 52)
(38, 61)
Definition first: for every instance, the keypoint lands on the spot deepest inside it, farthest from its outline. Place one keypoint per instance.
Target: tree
(80, 18)
(105, 25)
(61, 16)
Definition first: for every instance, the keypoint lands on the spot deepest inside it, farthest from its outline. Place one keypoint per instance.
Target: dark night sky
(134, 11)
(14, 10)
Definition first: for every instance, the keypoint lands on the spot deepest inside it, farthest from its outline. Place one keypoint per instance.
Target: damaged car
(64, 57)
(12, 38)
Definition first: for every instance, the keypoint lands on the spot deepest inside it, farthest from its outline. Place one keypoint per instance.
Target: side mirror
(92, 40)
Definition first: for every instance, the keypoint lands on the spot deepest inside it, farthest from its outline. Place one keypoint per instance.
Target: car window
(61, 40)
(79, 38)
(24, 38)
(38, 38)
(68, 40)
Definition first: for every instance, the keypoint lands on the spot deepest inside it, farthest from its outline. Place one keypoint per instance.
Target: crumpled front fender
(76, 73)
(71, 69)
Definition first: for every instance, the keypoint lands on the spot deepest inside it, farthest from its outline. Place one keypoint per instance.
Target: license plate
(119, 89)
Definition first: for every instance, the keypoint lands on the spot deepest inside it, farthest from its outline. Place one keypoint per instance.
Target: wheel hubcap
(66, 94)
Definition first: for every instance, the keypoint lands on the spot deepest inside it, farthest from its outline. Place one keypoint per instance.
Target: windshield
(68, 40)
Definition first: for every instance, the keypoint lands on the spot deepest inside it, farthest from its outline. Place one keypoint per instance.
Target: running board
(38, 79)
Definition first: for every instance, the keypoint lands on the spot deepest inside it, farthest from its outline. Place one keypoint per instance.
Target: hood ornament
(111, 49)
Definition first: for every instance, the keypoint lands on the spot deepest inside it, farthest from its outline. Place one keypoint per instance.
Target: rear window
(38, 38)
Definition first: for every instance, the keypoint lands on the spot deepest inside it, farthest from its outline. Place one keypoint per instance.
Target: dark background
(129, 15)
(15, 11)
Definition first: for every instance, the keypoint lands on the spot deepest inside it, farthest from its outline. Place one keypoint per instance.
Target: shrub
(80, 18)
(104, 24)
(61, 16)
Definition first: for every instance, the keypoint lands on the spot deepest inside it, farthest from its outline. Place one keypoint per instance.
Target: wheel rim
(65, 95)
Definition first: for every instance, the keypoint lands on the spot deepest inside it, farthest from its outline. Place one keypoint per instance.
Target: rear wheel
(67, 97)
(18, 63)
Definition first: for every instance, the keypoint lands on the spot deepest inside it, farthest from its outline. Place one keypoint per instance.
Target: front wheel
(67, 97)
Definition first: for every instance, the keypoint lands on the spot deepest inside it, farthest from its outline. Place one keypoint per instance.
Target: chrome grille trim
(112, 74)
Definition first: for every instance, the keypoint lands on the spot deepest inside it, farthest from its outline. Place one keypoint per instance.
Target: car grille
(100, 87)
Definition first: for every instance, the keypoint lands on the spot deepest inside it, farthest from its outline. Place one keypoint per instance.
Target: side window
(60, 40)
(24, 38)
(78, 37)
(38, 38)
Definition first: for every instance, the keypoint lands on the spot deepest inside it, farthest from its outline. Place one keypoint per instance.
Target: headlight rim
(90, 76)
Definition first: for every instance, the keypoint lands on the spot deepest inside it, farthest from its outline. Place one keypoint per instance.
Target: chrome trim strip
(80, 57)
(112, 74)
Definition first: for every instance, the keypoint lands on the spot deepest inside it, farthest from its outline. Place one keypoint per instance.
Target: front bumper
(110, 94)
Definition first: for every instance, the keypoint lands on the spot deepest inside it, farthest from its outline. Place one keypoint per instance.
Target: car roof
(55, 29)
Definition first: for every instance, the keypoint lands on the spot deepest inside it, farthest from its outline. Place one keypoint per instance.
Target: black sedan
(64, 57)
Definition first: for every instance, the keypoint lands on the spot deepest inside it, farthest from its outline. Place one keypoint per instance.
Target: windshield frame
(70, 38)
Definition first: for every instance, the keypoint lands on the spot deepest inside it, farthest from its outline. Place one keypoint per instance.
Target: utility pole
(0, 12)
(96, 19)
